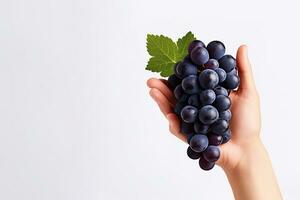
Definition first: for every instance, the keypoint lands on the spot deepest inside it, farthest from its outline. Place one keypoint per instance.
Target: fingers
(161, 85)
(244, 69)
(162, 102)
(174, 126)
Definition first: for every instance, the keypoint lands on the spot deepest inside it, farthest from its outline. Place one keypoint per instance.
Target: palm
(245, 122)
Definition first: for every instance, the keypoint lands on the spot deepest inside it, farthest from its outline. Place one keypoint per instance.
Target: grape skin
(206, 165)
(193, 154)
(189, 114)
(199, 55)
(208, 114)
(211, 153)
(216, 49)
(194, 44)
(199, 142)
(208, 79)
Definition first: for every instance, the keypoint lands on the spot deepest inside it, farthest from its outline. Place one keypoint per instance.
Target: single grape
(201, 128)
(216, 49)
(185, 69)
(226, 115)
(173, 81)
(190, 84)
(208, 114)
(227, 63)
(199, 142)
(211, 153)
(211, 64)
(220, 91)
(226, 136)
(215, 139)
(195, 44)
(194, 101)
(206, 165)
(222, 103)
(199, 55)
(222, 74)
(207, 97)
(219, 127)
(208, 79)
(193, 154)
(186, 128)
(178, 92)
(231, 82)
(189, 114)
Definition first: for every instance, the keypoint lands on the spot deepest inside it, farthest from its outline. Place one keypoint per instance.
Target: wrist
(245, 155)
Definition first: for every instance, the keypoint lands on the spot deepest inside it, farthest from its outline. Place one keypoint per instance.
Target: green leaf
(183, 44)
(162, 45)
(165, 53)
(160, 64)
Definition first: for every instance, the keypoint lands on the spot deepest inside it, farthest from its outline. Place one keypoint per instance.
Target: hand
(245, 122)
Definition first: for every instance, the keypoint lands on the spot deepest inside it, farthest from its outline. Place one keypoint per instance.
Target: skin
(244, 158)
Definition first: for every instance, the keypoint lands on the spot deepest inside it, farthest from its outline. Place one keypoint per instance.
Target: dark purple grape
(195, 44)
(189, 114)
(207, 97)
(194, 101)
(211, 64)
(178, 92)
(219, 127)
(222, 74)
(206, 165)
(231, 82)
(227, 63)
(216, 49)
(186, 128)
(199, 55)
(215, 139)
(190, 84)
(185, 69)
(226, 136)
(222, 103)
(193, 154)
(173, 81)
(208, 79)
(208, 114)
(212, 153)
(226, 115)
(199, 142)
(201, 128)
(220, 91)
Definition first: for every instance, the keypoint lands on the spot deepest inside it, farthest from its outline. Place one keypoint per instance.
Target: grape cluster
(201, 83)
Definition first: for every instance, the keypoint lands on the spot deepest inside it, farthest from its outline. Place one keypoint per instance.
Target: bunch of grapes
(201, 83)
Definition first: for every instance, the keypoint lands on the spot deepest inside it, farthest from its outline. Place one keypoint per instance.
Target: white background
(76, 121)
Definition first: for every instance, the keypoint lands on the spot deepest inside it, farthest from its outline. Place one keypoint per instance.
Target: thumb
(244, 70)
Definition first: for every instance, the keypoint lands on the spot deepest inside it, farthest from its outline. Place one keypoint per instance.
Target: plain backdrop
(76, 120)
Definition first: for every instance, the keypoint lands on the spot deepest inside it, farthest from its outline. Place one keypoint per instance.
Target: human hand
(245, 122)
